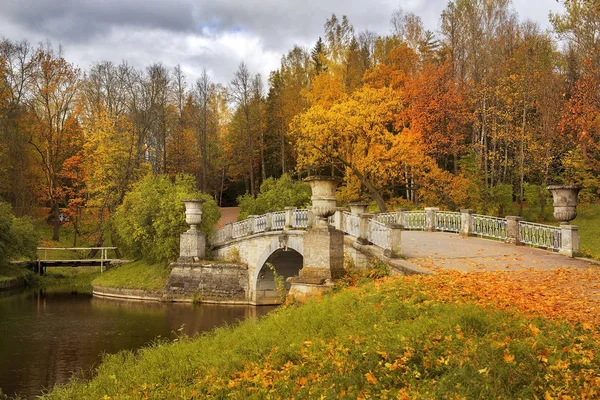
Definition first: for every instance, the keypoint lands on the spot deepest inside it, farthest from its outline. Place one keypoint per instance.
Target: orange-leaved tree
(362, 132)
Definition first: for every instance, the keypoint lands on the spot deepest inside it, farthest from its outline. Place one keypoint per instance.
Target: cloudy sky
(215, 35)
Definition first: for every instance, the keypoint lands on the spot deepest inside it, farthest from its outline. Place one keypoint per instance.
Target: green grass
(135, 275)
(382, 340)
(588, 221)
(68, 279)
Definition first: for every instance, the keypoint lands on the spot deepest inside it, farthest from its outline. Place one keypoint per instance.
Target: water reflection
(45, 337)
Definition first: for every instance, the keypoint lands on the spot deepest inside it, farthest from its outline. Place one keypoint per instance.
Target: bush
(18, 237)
(275, 194)
(152, 217)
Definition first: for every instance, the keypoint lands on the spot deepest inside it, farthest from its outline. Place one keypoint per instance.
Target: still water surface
(45, 337)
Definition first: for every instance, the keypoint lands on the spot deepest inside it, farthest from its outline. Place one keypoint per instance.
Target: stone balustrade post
(364, 228)
(466, 222)
(399, 215)
(268, 221)
(569, 240)
(228, 234)
(430, 218)
(311, 218)
(396, 241)
(339, 219)
(251, 224)
(512, 230)
(289, 218)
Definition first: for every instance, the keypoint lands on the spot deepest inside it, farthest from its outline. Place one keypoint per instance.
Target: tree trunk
(56, 222)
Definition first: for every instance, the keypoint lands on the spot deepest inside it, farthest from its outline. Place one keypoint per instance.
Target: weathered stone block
(323, 254)
(192, 245)
(214, 283)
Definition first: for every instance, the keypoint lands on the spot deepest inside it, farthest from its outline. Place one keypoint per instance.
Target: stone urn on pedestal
(324, 203)
(565, 210)
(565, 201)
(323, 245)
(192, 244)
(358, 207)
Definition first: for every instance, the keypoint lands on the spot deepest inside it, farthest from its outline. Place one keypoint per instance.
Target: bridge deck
(76, 263)
(451, 251)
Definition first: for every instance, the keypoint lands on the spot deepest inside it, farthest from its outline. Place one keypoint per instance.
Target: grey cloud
(80, 20)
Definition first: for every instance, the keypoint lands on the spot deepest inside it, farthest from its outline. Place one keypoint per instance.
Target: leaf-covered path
(492, 272)
(449, 251)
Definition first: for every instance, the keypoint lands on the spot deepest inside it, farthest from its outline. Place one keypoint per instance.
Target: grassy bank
(389, 339)
(10, 272)
(68, 279)
(135, 275)
(588, 221)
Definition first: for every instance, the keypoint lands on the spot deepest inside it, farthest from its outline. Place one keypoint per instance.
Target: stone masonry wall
(208, 283)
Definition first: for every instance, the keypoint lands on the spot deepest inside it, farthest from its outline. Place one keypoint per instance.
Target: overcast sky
(215, 35)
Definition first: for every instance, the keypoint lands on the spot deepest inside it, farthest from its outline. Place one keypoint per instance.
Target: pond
(46, 336)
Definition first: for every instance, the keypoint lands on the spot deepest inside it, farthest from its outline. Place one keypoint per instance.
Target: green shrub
(18, 237)
(275, 194)
(152, 217)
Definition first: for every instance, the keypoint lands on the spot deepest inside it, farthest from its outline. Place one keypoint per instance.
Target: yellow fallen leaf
(371, 378)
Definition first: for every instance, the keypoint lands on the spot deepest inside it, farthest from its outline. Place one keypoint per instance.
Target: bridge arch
(286, 248)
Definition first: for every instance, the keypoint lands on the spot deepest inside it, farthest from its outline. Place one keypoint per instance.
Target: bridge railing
(351, 224)
(300, 218)
(447, 221)
(78, 250)
(490, 227)
(379, 234)
(377, 229)
(414, 220)
(539, 235)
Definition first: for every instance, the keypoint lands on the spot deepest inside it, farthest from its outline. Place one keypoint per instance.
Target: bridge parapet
(378, 229)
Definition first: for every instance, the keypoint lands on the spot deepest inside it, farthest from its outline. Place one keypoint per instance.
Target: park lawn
(135, 275)
(588, 221)
(398, 337)
(68, 278)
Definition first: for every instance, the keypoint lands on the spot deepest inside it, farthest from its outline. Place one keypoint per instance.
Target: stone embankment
(205, 282)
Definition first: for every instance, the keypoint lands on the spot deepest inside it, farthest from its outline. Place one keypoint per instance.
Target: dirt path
(228, 214)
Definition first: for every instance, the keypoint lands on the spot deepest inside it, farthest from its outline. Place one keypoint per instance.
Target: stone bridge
(276, 241)
(307, 248)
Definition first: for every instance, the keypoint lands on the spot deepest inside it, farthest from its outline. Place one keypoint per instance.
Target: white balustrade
(447, 221)
(278, 221)
(379, 234)
(241, 228)
(386, 218)
(488, 226)
(260, 223)
(546, 236)
(351, 224)
(414, 220)
(300, 219)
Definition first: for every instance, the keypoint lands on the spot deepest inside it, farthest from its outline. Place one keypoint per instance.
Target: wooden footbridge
(45, 259)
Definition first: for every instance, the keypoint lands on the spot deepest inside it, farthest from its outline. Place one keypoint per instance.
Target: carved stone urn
(358, 207)
(193, 213)
(323, 196)
(565, 201)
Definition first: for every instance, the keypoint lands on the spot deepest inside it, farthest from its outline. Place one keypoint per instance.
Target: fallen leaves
(566, 293)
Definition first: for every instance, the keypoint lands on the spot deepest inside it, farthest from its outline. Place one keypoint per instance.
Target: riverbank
(401, 337)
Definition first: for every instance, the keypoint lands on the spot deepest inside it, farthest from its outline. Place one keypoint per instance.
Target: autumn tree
(54, 132)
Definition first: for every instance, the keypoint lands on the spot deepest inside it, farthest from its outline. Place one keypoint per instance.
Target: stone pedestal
(396, 241)
(192, 246)
(323, 263)
(466, 222)
(430, 218)
(569, 240)
(512, 230)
